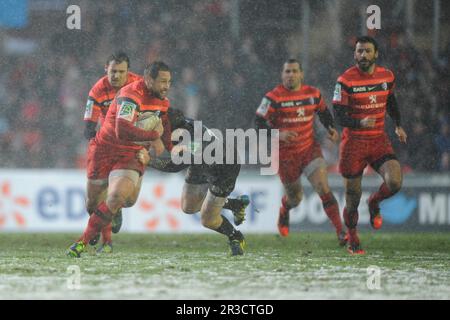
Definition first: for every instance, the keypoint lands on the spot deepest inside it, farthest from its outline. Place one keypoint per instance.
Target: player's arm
(160, 164)
(90, 129)
(341, 106)
(344, 119)
(262, 115)
(261, 123)
(166, 165)
(394, 112)
(91, 115)
(125, 128)
(166, 137)
(327, 121)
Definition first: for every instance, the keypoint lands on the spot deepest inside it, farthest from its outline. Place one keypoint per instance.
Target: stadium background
(225, 54)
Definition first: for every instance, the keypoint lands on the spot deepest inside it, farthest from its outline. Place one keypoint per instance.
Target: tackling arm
(166, 165)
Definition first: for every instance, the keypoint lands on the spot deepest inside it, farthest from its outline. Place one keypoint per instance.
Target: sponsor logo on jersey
(337, 96)
(89, 109)
(126, 110)
(263, 107)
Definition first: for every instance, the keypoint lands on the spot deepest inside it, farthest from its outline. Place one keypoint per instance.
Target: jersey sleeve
(265, 108)
(341, 94)
(391, 85)
(92, 111)
(321, 105)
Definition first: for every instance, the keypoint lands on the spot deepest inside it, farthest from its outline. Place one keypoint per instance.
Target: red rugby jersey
(130, 102)
(101, 96)
(364, 95)
(293, 111)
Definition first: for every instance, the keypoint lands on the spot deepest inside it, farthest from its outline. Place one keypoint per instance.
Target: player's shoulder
(100, 87)
(311, 90)
(348, 75)
(134, 89)
(384, 73)
(132, 77)
(275, 93)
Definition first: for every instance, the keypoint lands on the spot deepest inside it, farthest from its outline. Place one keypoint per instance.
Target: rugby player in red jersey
(363, 95)
(100, 97)
(291, 107)
(112, 155)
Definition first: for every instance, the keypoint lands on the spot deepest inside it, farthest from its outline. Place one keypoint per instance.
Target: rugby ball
(148, 121)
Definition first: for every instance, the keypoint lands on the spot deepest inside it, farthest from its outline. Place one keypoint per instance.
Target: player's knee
(394, 185)
(189, 208)
(91, 206)
(210, 222)
(295, 199)
(116, 200)
(129, 203)
(322, 188)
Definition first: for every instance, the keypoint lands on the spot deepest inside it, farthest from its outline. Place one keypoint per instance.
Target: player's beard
(292, 85)
(366, 66)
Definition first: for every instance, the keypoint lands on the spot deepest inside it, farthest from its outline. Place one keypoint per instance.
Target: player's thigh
(95, 192)
(289, 169)
(122, 183)
(391, 172)
(192, 197)
(352, 158)
(316, 172)
(134, 196)
(194, 189)
(222, 179)
(294, 192)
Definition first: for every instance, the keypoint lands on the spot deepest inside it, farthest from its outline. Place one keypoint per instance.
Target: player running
(100, 97)
(362, 96)
(112, 154)
(291, 107)
(207, 186)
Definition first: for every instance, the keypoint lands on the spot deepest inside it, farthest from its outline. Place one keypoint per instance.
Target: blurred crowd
(220, 74)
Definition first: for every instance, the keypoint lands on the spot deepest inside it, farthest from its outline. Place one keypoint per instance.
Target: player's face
(292, 76)
(365, 55)
(117, 73)
(161, 85)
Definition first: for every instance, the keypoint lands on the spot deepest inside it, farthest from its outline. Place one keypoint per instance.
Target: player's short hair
(292, 60)
(118, 57)
(154, 68)
(366, 39)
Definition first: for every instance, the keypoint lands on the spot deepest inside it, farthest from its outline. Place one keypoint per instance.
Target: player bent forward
(206, 187)
(113, 154)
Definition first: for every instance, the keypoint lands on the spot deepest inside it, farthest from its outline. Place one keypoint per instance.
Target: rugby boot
(237, 244)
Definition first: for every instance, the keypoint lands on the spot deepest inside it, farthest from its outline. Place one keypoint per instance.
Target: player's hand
(156, 147)
(368, 122)
(143, 157)
(333, 135)
(160, 129)
(287, 136)
(401, 134)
